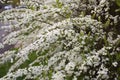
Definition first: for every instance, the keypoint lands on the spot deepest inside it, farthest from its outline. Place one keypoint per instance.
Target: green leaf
(117, 2)
(58, 4)
(107, 23)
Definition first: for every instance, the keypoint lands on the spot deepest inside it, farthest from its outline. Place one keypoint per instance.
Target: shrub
(62, 40)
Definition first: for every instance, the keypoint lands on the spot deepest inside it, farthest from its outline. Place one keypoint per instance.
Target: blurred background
(8, 4)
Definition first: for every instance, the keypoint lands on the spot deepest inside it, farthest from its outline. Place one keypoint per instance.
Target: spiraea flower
(61, 40)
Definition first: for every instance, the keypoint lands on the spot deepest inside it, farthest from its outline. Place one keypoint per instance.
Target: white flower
(1, 45)
(58, 76)
(70, 67)
(103, 70)
(102, 2)
(115, 64)
(11, 60)
(75, 78)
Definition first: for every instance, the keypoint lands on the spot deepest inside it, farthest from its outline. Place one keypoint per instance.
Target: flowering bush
(62, 40)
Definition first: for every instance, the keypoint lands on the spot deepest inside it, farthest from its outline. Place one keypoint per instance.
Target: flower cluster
(58, 40)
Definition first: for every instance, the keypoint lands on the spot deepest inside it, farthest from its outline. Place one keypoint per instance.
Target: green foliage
(117, 2)
(21, 78)
(107, 23)
(31, 57)
(14, 3)
(4, 68)
(58, 4)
